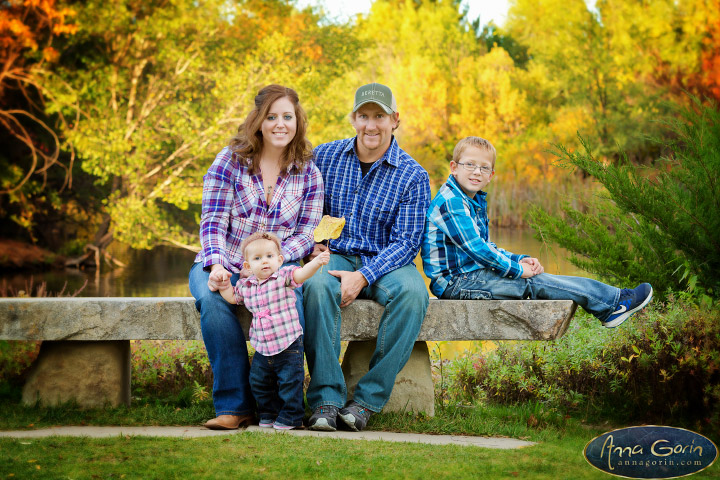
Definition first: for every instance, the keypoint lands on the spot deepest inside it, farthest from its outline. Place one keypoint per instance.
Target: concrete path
(197, 431)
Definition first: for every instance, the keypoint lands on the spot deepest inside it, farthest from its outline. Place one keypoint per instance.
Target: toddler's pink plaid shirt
(234, 206)
(275, 322)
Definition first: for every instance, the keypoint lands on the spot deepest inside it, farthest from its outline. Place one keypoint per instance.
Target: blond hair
(477, 142)
(253, 237)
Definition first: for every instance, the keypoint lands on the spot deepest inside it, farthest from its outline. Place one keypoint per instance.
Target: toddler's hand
(323, 258)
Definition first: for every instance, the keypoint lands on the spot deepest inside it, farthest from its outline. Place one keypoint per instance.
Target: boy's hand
(219, 278)
(527, 271)
(534, 264)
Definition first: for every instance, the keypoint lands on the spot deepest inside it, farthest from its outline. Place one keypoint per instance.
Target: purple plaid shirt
(234, 206)
(275, 323)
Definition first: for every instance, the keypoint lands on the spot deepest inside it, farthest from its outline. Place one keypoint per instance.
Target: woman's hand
(219, 278)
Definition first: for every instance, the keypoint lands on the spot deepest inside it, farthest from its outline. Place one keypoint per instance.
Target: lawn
(558, 453)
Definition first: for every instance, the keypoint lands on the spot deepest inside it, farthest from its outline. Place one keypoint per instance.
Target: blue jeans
(225, 344)
(403, 294)
(594, 297)
(277, 384)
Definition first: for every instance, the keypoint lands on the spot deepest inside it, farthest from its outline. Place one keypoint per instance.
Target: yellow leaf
(329, 227)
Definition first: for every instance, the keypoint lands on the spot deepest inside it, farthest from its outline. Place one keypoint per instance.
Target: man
(383, 194)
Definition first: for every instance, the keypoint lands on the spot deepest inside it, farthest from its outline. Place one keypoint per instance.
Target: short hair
(248, 141)
(352, 116)
(476, 142)
(253, 237)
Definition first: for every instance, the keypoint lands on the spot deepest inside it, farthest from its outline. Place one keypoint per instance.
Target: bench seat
(98, 330)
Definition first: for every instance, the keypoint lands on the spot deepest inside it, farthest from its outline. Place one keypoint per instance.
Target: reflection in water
(162, 272)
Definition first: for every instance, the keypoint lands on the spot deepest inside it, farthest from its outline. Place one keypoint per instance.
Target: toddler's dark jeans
(277, 384)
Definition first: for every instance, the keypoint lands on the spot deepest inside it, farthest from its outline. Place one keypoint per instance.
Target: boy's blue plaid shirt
(384, 211)
(456, 239)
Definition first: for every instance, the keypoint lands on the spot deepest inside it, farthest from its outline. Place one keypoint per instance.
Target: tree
(29, 181)
(660, 225)
(161, 86)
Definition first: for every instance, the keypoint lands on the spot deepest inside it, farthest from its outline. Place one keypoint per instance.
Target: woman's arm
(301, 242)
(217, 201)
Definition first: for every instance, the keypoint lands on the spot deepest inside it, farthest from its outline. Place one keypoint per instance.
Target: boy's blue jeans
(594, 297)
(225, 344)
(277, 384)
(403, 294)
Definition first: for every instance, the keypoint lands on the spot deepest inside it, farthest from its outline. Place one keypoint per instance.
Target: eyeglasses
(471, 167)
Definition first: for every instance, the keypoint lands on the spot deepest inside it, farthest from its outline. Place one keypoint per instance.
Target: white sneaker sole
(322, 425)
(621, 319)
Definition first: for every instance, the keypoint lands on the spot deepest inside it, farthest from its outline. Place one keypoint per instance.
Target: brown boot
(229, 422)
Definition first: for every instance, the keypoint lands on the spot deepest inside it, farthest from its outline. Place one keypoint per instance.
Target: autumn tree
(32, 172)
(159, 89)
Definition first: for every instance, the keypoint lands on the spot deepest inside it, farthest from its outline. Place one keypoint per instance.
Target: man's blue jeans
(595, 297)
(403, 294)
(277, 384)
(225, 344)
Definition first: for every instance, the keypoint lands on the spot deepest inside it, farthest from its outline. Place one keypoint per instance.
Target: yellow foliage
(328, 228)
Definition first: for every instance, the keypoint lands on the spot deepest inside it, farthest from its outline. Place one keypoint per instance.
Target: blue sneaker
(355, 415)
(324, 418)
(266, 423)
(631, 301)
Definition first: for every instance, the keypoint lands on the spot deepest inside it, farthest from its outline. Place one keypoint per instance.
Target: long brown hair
(248, 142)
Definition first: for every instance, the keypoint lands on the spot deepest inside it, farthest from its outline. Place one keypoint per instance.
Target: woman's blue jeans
(226, 344)
(403, 294)
(594, 297)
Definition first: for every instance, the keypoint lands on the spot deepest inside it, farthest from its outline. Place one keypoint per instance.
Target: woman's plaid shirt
(234, 206)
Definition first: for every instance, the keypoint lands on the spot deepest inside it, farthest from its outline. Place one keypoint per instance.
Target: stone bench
(85, 355)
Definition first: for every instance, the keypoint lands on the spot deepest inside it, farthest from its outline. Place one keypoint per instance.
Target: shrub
(176, 371)
(663, 365)
(659, 225)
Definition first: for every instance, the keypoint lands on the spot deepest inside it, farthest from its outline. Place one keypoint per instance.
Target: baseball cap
(376, 93)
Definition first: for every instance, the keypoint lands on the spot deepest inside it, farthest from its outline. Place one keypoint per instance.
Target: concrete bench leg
(91, 373)
(413, 390)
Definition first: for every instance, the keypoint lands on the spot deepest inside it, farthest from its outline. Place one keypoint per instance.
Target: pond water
(162, 272)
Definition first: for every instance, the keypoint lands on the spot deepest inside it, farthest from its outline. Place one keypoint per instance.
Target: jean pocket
(475, 295)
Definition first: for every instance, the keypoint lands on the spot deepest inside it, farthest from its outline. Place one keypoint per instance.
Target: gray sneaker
(355, 415)
(324, 419)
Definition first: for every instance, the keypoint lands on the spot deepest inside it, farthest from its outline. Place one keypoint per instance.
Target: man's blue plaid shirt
(384, 211)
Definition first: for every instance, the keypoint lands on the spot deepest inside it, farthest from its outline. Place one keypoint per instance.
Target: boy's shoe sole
(621, 319)
(322, 425)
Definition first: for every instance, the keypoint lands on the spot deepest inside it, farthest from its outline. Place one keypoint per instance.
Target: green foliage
(663, 365)
(171, 370)
(158, 88)
(660, 225)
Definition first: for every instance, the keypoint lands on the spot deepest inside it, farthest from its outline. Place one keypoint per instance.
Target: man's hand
(350, 285)
(317, 250)
(219, 278)
(534, 264)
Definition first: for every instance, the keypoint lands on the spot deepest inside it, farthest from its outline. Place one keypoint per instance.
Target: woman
(263, 181)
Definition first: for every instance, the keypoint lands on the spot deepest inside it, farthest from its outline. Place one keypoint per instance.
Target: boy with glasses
(463, 264)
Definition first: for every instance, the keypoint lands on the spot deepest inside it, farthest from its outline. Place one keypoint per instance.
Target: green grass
(558, 454)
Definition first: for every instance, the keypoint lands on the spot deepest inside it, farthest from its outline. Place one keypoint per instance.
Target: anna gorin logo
(651, 452)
